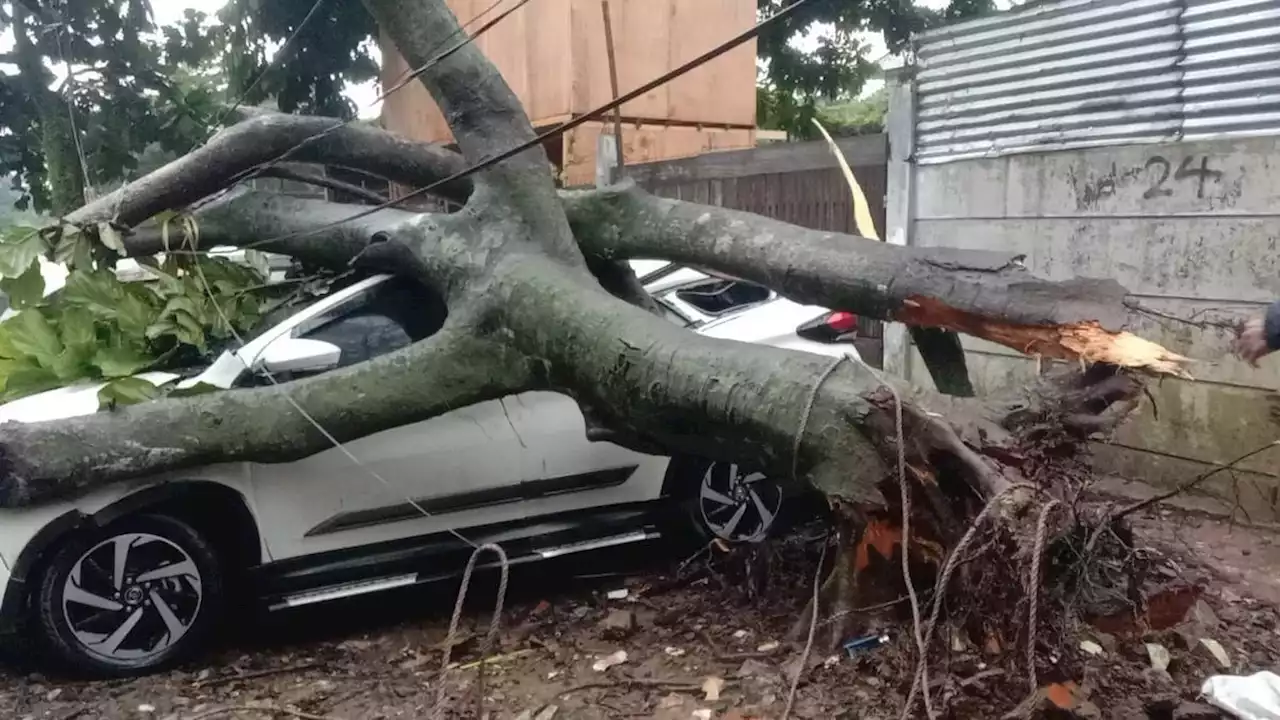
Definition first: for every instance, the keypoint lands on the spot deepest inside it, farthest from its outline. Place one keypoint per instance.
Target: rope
(947, 569)
(808, 409)
(337, 444)
(1042, 530)
(808, 643)
(437, 711)
(905, 489)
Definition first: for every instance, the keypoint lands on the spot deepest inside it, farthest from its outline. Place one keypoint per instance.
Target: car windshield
(280, 309)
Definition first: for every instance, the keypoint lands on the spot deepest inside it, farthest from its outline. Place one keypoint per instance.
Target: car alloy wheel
(736, 505)
(129, 598)
(137, 595)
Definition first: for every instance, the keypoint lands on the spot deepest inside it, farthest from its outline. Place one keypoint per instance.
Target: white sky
(364, 95)
(170, 11)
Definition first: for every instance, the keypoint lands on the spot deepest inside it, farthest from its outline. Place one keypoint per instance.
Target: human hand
(1251, 344)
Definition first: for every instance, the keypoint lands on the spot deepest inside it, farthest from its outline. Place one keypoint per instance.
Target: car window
(380, 320)
(718, 296)
(362, 335)
(383, 319)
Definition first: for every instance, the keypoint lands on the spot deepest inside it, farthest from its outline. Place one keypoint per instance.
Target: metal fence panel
(1085, 73)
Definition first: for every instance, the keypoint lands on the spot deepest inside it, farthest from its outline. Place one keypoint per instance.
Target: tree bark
(456, 367)
(538, 297)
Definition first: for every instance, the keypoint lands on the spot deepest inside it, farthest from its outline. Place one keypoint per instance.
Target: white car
(131, 577)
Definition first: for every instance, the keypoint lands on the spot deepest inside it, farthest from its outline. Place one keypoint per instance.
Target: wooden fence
(798, 183)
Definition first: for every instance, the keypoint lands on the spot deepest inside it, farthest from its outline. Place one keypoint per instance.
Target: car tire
(138, 595)
(728, 502)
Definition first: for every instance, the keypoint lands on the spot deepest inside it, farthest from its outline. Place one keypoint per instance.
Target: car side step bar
(364, 587)
(600, 544)
(345, 590)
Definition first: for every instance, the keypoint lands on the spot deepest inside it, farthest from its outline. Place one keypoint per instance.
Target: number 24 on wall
(1159, 170)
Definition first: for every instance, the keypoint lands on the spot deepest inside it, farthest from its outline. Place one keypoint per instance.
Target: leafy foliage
(117, 99)
(337, 47)
(794, 82)
(857, 117)
(334, 48)
(100, 327)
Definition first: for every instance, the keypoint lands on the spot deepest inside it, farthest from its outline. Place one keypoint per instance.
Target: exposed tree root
(1018, 456)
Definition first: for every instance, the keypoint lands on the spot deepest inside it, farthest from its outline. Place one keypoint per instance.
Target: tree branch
(655, 384)
(985, 294)
(483, 112)
(262, 139)
(324, 181)
(944, 356)
(454, 368)
(519, 196)
(307, 229)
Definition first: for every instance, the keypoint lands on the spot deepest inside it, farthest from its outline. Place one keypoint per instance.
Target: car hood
(65, 402)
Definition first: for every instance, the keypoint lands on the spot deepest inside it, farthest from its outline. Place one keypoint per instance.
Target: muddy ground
(701, 640)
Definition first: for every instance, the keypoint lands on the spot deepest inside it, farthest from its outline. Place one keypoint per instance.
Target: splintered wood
(1086, 341)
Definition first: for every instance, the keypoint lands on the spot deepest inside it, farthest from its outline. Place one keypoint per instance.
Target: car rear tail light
(830, 327)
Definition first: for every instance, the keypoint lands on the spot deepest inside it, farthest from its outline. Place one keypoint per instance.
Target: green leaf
(72, 364)
(76, 328)
(164, 327)
(134, 314)
(126, 391)
(199, 388)
(33, 336)
(121, 361)
(25, 290)
(7, 350)
(26, 378)
(179, 302)
(189, 330)
(99, 291)
(19, 249)
(109, 236)
(74, 250)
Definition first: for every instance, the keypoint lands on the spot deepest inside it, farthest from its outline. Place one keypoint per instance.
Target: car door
(373, 489)
(563, 470)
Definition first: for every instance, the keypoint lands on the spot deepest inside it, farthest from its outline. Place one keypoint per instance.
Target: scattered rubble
(693, 645)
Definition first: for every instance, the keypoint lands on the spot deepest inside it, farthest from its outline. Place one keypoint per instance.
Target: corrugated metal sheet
(1081, 73)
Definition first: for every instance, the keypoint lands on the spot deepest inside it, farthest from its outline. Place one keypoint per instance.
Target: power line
(404, 79)
(337, 444)
(284, 50)
(253, 172)
(554, 132)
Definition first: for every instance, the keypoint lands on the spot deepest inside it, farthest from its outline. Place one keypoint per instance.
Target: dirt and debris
(691, 641)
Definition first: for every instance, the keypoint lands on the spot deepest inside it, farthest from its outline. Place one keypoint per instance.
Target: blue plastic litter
(865, 643)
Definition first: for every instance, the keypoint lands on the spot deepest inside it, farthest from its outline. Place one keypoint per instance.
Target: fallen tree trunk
(984, 294)
(537, 298)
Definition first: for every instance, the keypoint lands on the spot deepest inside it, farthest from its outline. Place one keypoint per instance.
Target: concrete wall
(1193, 230)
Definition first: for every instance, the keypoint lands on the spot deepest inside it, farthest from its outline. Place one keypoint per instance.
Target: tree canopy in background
(102, 95)
(116, 91)
(796, 83)
(333, 49)
(863, 116)
(337, 48)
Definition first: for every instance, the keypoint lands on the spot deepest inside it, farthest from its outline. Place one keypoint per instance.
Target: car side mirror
(299, 355)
